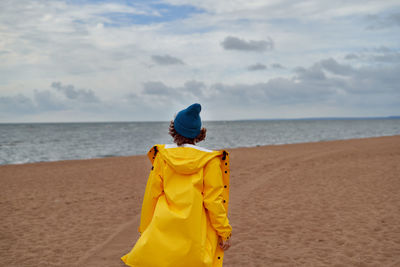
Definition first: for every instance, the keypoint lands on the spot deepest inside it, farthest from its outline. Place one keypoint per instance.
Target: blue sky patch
(155, 12)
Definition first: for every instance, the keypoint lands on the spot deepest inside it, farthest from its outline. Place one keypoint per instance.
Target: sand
(333, 203)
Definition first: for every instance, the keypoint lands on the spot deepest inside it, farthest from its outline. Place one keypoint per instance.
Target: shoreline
(200, 144)
(329, 203)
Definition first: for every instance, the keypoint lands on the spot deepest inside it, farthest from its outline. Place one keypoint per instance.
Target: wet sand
(333, 203)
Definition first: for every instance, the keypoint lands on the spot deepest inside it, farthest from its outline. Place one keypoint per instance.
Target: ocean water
(35, 142)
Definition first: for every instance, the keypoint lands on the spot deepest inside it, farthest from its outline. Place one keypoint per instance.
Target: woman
(184, 213)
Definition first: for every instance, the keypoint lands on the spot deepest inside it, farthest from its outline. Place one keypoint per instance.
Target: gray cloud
(76, 94)
(334, 67)
(277, 66)
(46, 101)
(351, 56)
(156, 88)
(384, 21)
(257, 66)
(234, 43)
(365, 80)
(195, 88)
(382, 49)
(381, 54)
(275, 92)
(313, 85)
(313, 73)
(190, 90)
(167, 60)
(385, 54)
(18, 104)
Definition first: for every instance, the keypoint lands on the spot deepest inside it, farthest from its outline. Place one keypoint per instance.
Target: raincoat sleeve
(154, 189)
(213, 199)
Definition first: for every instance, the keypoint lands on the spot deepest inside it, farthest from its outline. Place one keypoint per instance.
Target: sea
(38, 142)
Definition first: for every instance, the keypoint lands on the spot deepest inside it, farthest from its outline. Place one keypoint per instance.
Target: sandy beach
(334, 203)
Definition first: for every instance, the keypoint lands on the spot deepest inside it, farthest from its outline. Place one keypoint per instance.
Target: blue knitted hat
(188, 123)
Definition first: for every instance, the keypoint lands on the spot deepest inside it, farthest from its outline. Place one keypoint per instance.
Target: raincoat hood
(186, 161)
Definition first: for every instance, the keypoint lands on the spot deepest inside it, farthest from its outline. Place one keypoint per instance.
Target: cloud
(75, 94)
(257, 66)
(261, 9)
(326, 82)
(313, 73)
(352, 56)
(382, 49)
(235, 43)
(274, 93)
(191, 89)
(47, 101)
(18, 104)
(387, 57)
(277, 66)
(378, 22)
(365, 80)
(63, 98)
(167, 60)
(196, 88)
(334, 67)
(156, 88)
(385, 54)
(381, 54)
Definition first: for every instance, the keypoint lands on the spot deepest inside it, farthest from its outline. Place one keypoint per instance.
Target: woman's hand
(225, 245)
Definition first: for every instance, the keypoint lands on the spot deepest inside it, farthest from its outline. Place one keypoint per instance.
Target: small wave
(107, 156)
(12, 143)
(8, 162)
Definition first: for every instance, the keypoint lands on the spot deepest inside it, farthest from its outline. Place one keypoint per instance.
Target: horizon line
(232, 120)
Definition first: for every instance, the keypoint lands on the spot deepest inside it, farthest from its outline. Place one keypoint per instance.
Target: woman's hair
(180, 140)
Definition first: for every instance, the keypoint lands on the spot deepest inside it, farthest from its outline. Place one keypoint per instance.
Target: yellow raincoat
(184, 209)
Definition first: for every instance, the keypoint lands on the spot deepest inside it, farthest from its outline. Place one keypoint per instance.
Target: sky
(95, 60)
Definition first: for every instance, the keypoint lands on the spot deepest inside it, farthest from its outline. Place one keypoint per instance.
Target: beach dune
(334, 203)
